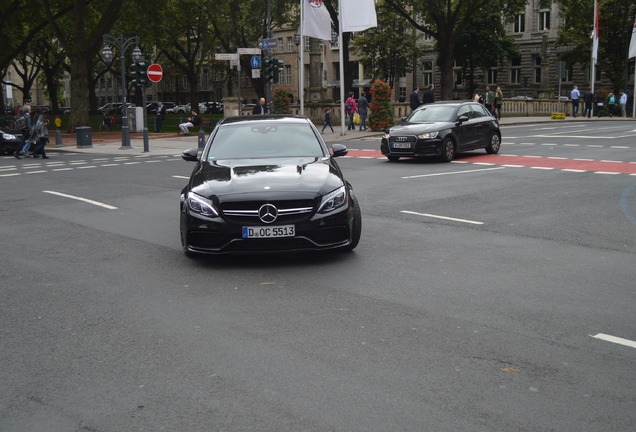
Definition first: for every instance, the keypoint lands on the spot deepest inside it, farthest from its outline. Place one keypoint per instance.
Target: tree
(80, 34)
(443, 20)
(390, 49)
(483, 44)
(615, 29)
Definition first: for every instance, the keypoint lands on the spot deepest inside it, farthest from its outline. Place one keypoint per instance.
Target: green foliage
(615, 29)
(381, 116)
(281, 100)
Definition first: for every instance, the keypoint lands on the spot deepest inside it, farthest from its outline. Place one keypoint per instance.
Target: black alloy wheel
(448, 150)
(494, 144)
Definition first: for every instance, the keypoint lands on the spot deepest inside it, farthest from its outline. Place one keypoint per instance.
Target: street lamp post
(122, 45)
(300, 71)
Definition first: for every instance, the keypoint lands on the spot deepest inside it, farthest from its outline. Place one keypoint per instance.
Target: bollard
(58, 138)
(201, 139)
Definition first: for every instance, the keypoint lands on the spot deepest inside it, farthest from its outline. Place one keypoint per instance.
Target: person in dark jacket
(415, 98)
(161, 116)
(429, 95)
(261, 108)
(363, 106)
(588, 99)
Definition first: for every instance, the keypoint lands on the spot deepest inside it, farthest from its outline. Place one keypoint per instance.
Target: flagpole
(301, 61)
(594, 55)
(341, 59)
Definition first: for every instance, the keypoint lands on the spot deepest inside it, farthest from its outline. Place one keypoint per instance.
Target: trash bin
(84, 137)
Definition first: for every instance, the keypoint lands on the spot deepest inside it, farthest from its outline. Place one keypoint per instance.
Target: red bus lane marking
(527, 161)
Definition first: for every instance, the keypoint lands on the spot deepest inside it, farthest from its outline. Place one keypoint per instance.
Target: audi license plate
(269, 231)
(401, 145)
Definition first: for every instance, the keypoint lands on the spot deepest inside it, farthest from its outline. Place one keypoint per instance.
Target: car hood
(276, 178)
(418, 128)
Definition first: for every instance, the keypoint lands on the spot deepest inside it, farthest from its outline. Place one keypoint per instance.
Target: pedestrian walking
(622, 102)
(161, 116)
(498, 103)
(575, 95)
(363, 107)
(429, 95)
(40, 137)
(611, 104)
(489, 99)
(25, 129)
(351, 108)
(327, 121)
(589, 100)
(415, 98)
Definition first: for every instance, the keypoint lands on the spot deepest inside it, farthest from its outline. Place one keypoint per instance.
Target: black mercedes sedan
(443, 130)
(267, 183)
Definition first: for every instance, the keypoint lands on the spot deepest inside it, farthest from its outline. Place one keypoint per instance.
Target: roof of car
(266, 117)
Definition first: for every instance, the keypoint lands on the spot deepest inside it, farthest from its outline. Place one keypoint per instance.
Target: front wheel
(356, 228)
(448, 150)
(494, 144)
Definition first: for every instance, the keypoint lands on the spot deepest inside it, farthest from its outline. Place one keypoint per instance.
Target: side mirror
(190, 155)
(339, 150)
(462, 118)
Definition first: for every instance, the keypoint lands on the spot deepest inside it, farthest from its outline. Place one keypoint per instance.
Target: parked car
(213, 107)
(113, 107)
(443, 130)
(267, 183)
(9, 142)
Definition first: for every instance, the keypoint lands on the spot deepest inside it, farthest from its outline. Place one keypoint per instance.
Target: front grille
(247, 212)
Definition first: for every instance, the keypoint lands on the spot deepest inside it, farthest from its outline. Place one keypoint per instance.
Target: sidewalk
(171, 144)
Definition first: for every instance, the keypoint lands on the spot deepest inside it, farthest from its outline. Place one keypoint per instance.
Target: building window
(544, 16)
(280, 47)
(519, 23)
(515, 70)
(307, 43)
(492, 76)
(567, 74)
(287, 75)
(290, 44)
(427, 68)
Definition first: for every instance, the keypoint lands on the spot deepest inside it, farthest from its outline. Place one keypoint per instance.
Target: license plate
(269, 231)
(401, 145)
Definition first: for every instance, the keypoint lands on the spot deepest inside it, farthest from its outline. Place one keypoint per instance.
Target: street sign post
(226, 56)
(154, 72)
(251, 51)
(268, 43)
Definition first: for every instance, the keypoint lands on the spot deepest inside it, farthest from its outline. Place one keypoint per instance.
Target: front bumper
(419, 148)
(218, 236)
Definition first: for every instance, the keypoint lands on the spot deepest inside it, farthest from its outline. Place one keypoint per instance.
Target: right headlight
(333, 200)
(201, 205)
(8, 136)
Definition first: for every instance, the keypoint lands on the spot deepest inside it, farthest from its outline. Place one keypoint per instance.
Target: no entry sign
(155, 72)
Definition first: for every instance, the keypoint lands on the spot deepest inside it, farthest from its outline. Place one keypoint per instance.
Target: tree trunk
(79, 90)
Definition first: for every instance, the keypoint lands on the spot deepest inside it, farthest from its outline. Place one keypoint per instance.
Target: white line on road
(180, 177)
(63, 169)
(10, 175)
(442, 217)
(454, 172)
(86, 200)
(614, 339)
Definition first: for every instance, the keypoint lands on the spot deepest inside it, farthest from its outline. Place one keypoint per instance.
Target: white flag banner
(632, 43)
(316, 20)
(357, 15)
(595, 34)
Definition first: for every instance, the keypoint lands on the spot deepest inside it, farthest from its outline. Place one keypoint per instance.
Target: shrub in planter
(381, 116)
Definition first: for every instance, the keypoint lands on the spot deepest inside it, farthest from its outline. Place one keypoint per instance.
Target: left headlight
(8, 136)
(333, 200)
(201, 205)
(428, 135)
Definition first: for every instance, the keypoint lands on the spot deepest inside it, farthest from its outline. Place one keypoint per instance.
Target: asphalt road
(470, 303)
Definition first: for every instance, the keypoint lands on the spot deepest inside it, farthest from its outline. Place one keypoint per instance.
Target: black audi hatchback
(267, 183)
(443, 130)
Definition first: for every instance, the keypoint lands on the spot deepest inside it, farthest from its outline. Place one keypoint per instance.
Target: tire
(356, 229)
(393, 158)
(448, 150)
(494, 144)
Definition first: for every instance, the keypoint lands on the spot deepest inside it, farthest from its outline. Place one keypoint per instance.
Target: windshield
(262, 140)
(432, 113)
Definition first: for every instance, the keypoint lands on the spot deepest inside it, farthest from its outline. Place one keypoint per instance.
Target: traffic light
(268, 72)
(277, 67)
(139, 72)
